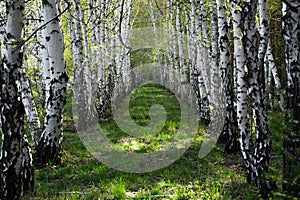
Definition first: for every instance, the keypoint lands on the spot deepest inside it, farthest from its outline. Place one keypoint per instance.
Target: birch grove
(212, 45)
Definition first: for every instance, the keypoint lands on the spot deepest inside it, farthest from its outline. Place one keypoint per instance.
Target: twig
(161, 12)
(73, 192)
(293, 5)
(158, 196)
(120, 26)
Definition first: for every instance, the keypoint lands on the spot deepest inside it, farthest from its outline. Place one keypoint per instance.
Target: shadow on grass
(80, 176)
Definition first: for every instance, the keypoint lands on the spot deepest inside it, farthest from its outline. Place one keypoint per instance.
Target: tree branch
(42, 26)
(292, 4)
(120, 26)
(158, 7)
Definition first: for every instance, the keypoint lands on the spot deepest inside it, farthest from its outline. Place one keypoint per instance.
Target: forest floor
(217, 176)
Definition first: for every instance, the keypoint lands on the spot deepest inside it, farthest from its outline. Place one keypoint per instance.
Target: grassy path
(81, 176)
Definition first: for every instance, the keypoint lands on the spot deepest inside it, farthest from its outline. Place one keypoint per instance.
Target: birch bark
(229, 134)
(50, 143)
(291, 35)
(245, 138)
(16, 174)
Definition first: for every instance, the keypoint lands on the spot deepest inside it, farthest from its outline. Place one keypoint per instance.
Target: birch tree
(83, 66)
(49, 145)
(256, 152)
(272, 74)
(2, 34)
(30, 108)
(263, 30)
(16, 174)
(126, 47)
(181, 44)
(265, 55)
(242, 104)
(171, 55)
(103, 96)
(200, 74)
(262, 142)
(214, 53)
(291, 35)
(192, 51)
(77, 49)
(229, 134)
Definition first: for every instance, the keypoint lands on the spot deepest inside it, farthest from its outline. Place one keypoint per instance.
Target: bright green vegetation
(217, 176)
(140, 104)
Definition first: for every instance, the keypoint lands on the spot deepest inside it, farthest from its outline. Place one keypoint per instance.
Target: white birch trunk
(194, 58)
(204, 41)
(180, 39)
(291, 158)
(274, 73)
(78, 61)
(261, 156)
(241, 91)
(202, 61)
(171, 47)
(126, 65)
(30, 109)
(90, 75)
(50, 147)
(174, 46)
(103, 42)
(229, 135)
(263, 31)
(16, 170)
(2, 34)
(215, 81)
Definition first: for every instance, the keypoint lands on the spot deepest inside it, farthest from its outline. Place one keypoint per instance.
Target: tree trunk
(263, 31)
(242, 103)
(291, 157)
(261, 156)
(182, 72)
(49, 146)
(273, 72)
(16, 174)
(30, 109)
(83, 87)
(229, 135)
(256, 153)
(125, 75)
(201, 62)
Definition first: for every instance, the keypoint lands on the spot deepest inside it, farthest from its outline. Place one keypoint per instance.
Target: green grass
(140, 104)
(217, 176)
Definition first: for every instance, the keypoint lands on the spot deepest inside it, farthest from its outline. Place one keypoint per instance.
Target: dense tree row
(222, 48)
